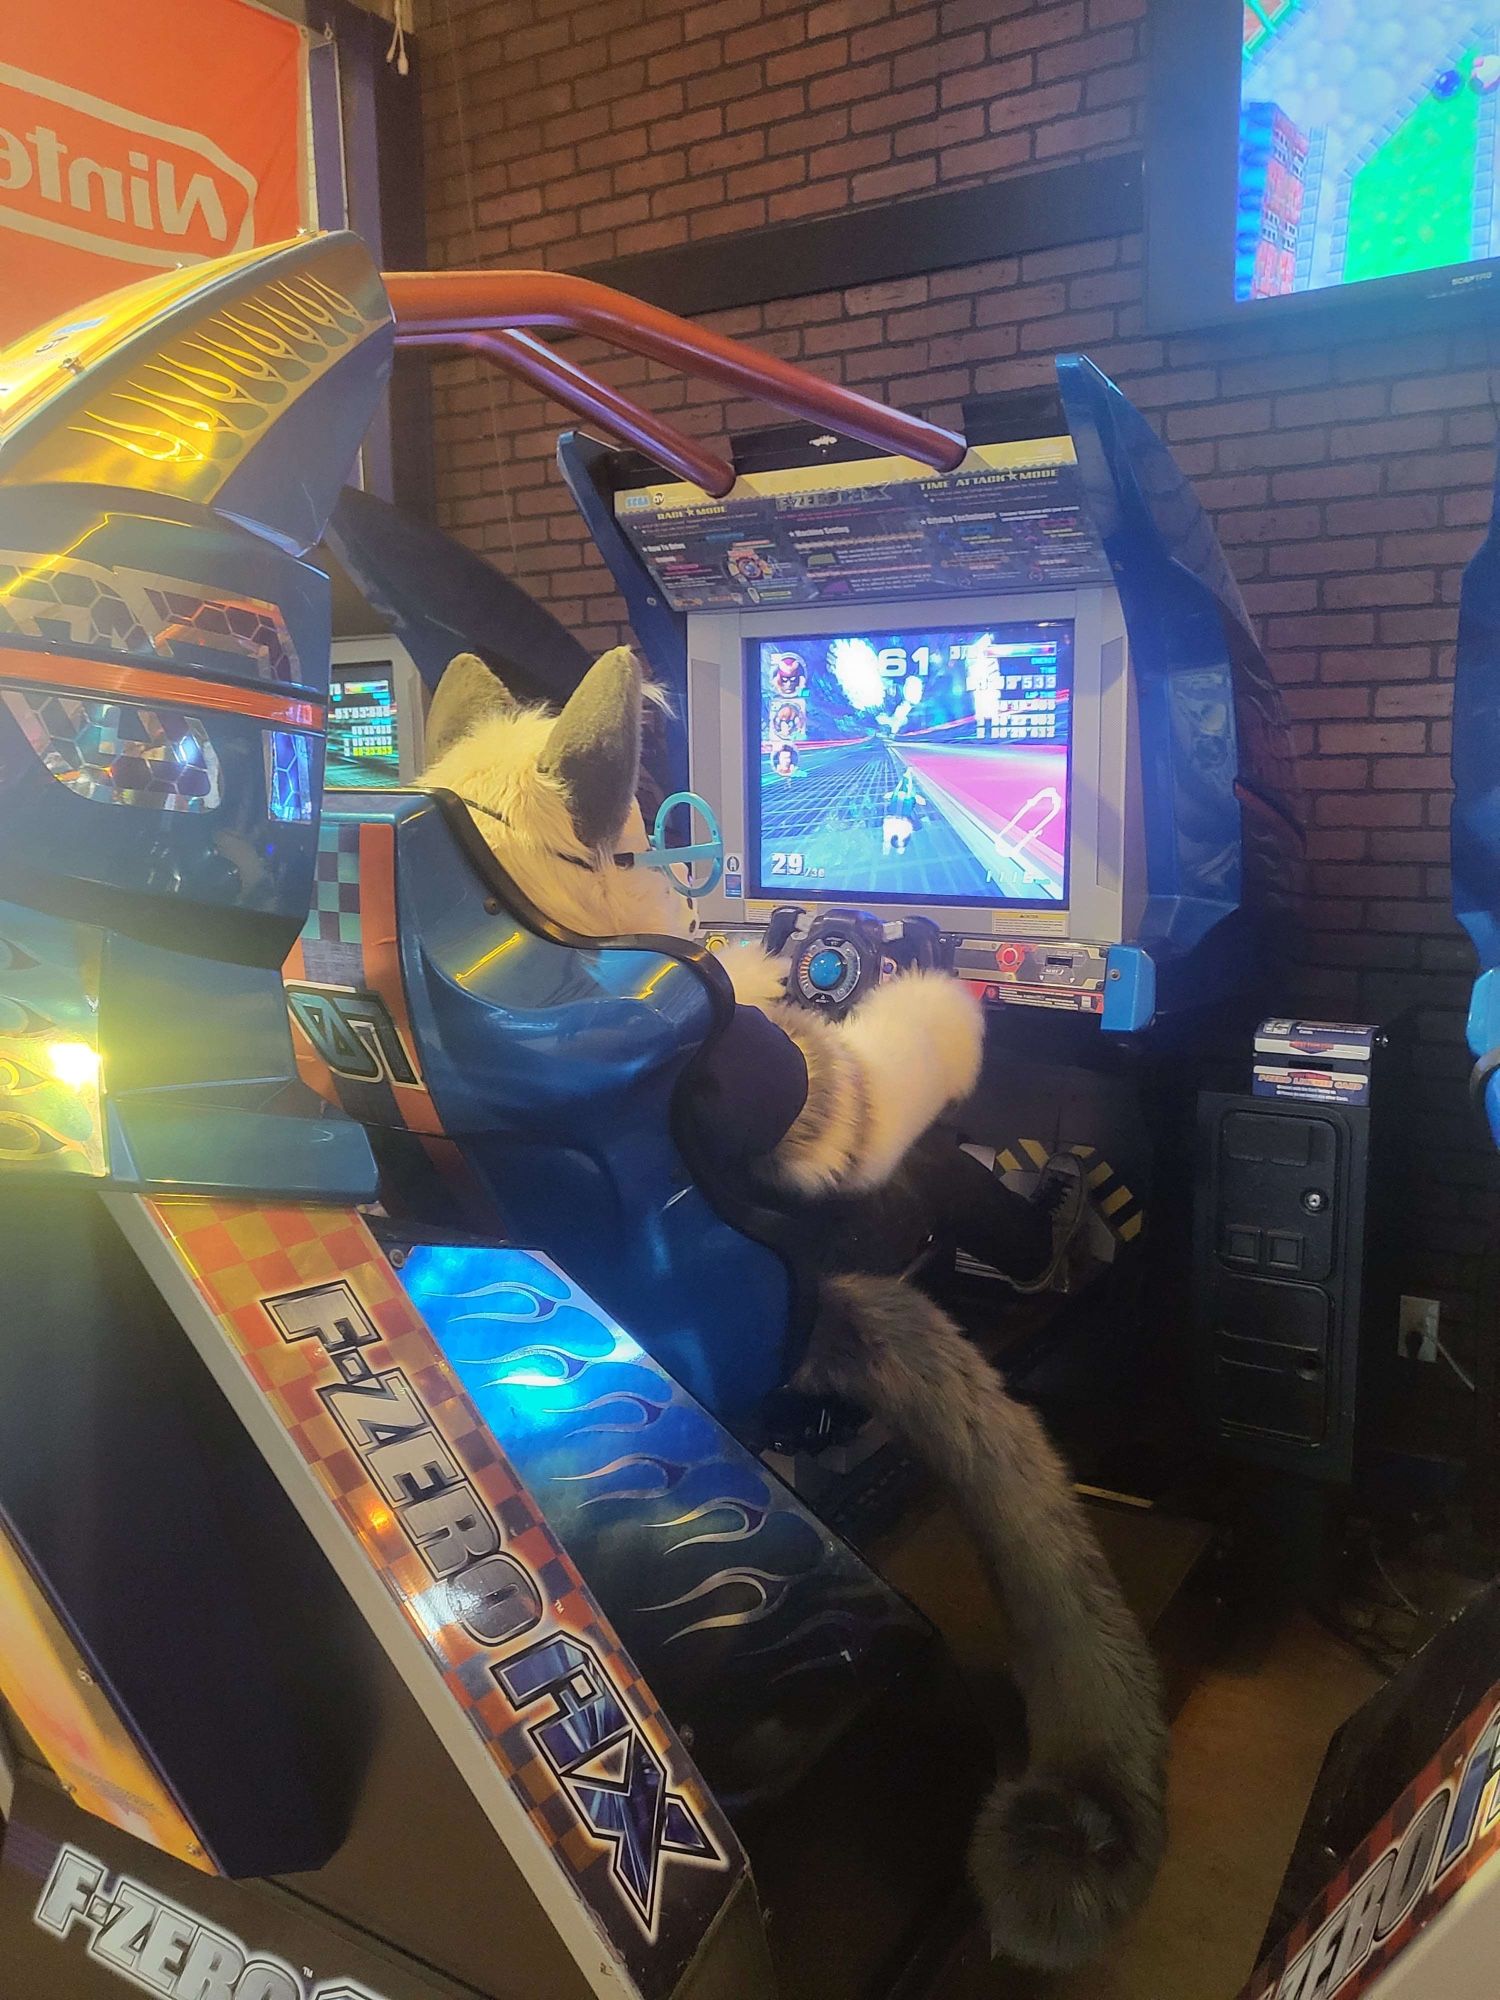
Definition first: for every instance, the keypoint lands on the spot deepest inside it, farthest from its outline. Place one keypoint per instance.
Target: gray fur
(467, 696)
(1062, 1853)
(595, 746)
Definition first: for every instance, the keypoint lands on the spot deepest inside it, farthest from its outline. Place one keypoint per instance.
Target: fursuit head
(1067, 1847)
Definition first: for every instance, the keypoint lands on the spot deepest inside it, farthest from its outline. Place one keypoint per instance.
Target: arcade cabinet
(309, 1507)
(1020, 700)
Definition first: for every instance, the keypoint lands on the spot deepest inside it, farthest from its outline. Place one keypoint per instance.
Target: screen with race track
(920, 765)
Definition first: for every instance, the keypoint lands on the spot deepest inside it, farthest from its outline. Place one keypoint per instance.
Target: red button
(1010, 956)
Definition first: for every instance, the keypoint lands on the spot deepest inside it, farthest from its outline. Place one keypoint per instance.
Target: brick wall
(1347, 469)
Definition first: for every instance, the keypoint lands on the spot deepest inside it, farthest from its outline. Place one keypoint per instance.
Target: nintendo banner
(137, 135)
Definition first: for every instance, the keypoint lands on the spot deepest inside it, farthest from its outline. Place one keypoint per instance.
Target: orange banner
(137, 135)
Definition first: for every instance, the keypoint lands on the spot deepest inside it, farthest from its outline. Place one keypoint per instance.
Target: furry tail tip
(1058, 1863)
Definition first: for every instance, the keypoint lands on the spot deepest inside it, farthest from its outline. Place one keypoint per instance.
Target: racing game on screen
(922, 765)
(1368, 135)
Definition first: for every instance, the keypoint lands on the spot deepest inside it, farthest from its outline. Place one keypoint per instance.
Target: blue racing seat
(525, 1084)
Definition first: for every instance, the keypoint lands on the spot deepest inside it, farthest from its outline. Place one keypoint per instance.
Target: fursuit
(1067, 1848)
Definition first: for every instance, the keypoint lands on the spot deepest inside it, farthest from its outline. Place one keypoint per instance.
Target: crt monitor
(375, 708)
(923, 763)
(971, 759)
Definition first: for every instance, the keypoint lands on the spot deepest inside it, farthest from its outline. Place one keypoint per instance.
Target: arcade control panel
(841, 954)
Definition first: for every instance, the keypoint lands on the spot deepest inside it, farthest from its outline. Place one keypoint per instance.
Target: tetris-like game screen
(922, 765)
(1368, 141)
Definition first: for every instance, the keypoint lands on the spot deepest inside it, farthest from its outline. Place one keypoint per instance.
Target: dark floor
(1247, 1745)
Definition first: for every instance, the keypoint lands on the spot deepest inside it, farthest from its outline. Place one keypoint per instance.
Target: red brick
(1411, 774)
(887, 183)
(1437, 626)
(1363, 517)
(750, 43)
(986, 156)
(1272, 449)
(1371, 738)
(736, 151)
(742, 81)
(1312, 558)
(765, 177)
(1472, 508)
(1326, 482)
(1374, 809)
(1218, 419)
(724, 221)
(892, 36)
(847, 86)
(1322, 704)
(803, 135)
(1093, 52)
(1037, 27)
(1390, 663)
(1268, 524)
(1443, 392)
(1424, 698)
(953, 128)
(1005, 87)
(648, 40)
(815, 59)
(1327, 629)
(764, 109)
(945, 58)
(835, 15)
(850, 155)
(819, 199)
(1448, 546)
(1081, 135)
(1385, 440)
(896, 108)
(1439, 468)
(1385, 586)
(692, 59)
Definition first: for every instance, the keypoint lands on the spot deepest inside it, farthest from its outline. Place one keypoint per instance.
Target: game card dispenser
(1315, 1062)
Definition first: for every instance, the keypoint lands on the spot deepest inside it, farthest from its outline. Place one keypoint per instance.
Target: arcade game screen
(1368, 141)
(917, 765)
(364, 747)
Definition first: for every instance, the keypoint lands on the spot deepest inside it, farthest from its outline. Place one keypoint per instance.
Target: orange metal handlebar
(463, 302)
(586, 396)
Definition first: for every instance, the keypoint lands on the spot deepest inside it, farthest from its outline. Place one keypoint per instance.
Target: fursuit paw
(758, 981)
(931, 1012)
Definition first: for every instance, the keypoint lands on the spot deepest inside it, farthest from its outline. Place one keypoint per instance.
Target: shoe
(1062, 1192)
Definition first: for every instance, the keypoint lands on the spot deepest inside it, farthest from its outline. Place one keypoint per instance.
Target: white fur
(876, 1081)
(920, 1042)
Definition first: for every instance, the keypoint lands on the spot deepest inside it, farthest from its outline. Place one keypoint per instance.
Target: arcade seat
(524, 1083)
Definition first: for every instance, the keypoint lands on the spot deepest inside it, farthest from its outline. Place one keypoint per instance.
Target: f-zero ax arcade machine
(1019, 699)
(306, 1531)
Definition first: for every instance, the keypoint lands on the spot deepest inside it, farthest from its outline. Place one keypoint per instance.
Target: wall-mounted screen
(1368, 141)
(911, 765)
(364, 736)
(1303, 153)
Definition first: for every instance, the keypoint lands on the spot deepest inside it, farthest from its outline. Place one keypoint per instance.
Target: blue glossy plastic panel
(555, 1069)
(1213, 731)
(759, 1628)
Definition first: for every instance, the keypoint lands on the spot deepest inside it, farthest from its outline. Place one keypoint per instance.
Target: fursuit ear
(467, 695)
(595, 746)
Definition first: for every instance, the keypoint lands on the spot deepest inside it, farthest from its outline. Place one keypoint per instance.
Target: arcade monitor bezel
(1106, 866)
(382, 650)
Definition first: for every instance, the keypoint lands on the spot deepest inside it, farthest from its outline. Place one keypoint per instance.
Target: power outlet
(1417, 1337)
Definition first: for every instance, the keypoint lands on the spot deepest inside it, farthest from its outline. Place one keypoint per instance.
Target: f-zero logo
(78, 170)
(1448, 1835)
(582, 1726)
(162, 1948)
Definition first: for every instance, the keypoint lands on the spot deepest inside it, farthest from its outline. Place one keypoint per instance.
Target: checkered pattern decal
(330, 942)
(243, 1259)
(1347, 1939)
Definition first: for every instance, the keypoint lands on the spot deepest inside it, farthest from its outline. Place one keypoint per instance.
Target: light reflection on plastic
(74, 1063)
